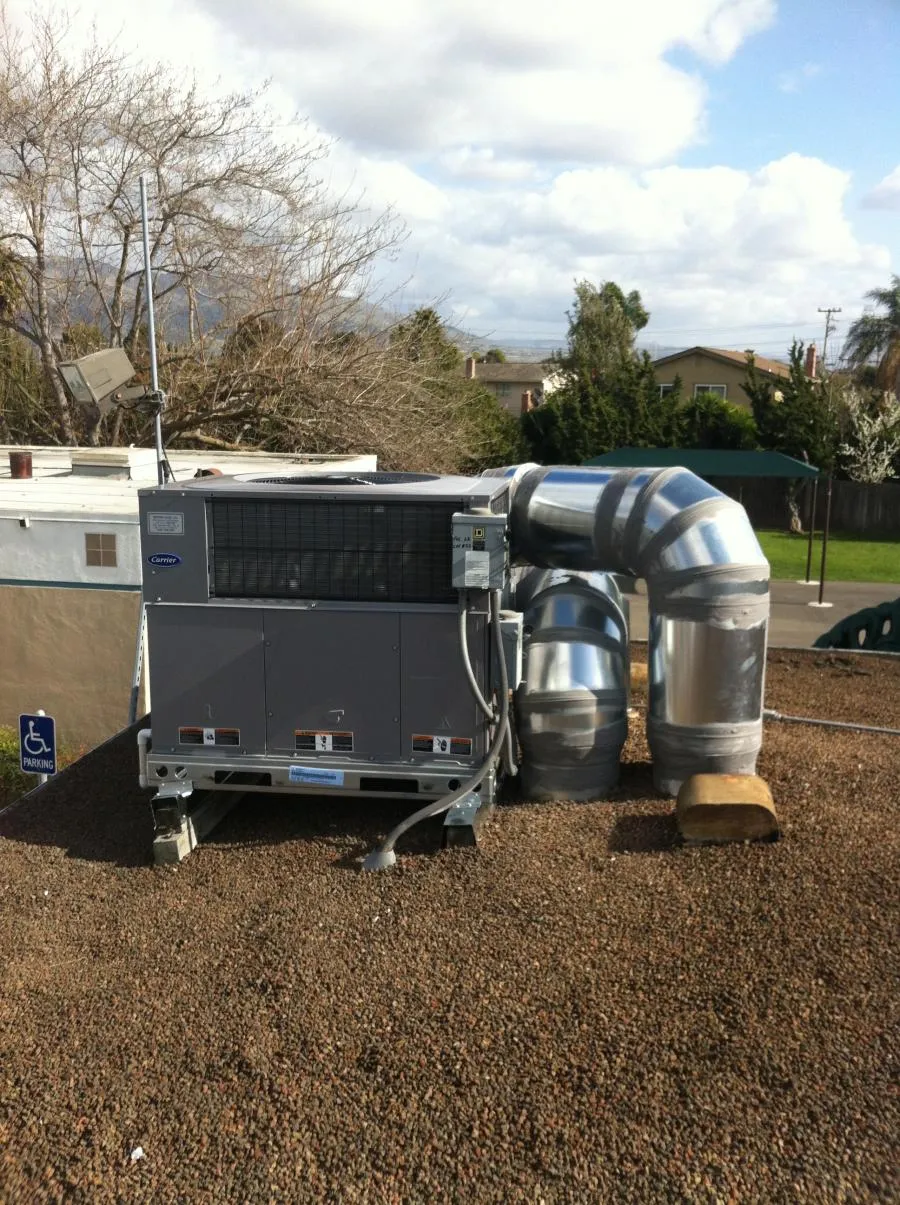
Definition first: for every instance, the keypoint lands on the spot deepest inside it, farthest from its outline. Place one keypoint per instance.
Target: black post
(812, 526)
(825, 540)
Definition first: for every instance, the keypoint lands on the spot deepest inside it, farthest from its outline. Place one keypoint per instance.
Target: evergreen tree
(609, 397)
(793, 415)
(709, 421)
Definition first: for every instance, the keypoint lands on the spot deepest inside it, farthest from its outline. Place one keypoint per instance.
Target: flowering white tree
(873, 430)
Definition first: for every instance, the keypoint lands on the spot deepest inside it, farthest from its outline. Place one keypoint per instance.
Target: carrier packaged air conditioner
(304, 632)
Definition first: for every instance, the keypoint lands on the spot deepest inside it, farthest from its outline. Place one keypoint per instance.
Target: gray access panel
(174, 555)
(334, 671)
(437, 700)
(207, 669)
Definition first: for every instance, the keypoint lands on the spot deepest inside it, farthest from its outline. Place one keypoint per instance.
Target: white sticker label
(313, 776)
(324, 742)
(478, 570)
(165, 523)
(209, 736)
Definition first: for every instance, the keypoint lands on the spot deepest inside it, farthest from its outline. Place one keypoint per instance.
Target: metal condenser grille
(354, 551)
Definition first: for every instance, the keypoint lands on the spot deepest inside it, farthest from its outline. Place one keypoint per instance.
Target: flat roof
(104, 482)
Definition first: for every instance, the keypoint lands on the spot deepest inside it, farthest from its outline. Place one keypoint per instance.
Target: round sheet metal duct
(708, 589)
(571, 708)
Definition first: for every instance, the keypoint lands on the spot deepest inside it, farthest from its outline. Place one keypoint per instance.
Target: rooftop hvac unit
(345, 633)
(304, 633)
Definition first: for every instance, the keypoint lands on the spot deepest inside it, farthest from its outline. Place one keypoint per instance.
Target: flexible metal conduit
(806, 719)
(708, 589)
(571, 708)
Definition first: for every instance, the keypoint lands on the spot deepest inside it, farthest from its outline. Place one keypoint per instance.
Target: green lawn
(850, 558)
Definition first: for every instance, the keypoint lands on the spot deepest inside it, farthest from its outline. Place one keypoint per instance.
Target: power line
(705, 330)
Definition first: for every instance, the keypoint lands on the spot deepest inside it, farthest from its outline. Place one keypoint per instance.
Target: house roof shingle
(513, 371)
(774, 367)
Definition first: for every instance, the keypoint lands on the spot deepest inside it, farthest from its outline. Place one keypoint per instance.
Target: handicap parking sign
(37, 744)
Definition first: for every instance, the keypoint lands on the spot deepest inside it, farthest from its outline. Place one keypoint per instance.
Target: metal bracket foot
(178, 831)
(465, 820)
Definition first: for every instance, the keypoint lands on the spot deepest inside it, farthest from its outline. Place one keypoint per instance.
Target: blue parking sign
(37, 744)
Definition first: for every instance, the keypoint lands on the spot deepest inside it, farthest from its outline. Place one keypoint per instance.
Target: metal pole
(825, 540)
(812, 527)
(42, 778)
(151, 338)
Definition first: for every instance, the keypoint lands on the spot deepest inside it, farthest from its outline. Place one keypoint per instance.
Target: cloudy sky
(735, 160)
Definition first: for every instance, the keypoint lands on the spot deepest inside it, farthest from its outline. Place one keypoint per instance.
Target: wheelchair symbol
(34, 744)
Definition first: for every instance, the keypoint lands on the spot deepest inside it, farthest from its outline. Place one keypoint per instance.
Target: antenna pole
(151, 340)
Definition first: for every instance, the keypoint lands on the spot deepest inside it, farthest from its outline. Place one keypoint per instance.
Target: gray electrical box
(480, 552)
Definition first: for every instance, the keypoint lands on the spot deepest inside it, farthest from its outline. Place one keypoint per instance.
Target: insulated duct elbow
(708, 590)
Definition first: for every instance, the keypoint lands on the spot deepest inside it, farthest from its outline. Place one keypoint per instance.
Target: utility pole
(829, 327)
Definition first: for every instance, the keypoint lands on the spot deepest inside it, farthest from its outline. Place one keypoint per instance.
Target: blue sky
(823, 79)
(735, 160)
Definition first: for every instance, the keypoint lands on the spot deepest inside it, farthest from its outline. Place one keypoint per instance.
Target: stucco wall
(696, 369)
(52, 549)
(71, 652)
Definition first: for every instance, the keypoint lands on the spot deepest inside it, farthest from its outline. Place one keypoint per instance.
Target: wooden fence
(862, 510)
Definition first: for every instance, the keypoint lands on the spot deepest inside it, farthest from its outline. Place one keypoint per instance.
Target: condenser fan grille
(340, 550)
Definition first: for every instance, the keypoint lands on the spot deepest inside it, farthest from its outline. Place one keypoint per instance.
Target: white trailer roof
(100, 483)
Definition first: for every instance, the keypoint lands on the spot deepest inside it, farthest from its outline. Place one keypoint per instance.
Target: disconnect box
(480, 552)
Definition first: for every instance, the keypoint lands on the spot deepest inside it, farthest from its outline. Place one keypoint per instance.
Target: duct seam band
(682, 745)
(634, 524)
(742, 592)
(564, 636)
(741, 610)
(679, 752)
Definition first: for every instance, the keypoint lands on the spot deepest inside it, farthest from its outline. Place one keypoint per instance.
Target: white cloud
(886, 194)
(707, 247)
(566, 81)
(528, 144)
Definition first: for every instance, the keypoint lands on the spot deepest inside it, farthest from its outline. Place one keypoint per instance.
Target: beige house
(517, 386)
(712, 370)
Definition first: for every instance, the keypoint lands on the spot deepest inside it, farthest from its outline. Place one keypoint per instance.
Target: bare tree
(268, 335)
(241, 225)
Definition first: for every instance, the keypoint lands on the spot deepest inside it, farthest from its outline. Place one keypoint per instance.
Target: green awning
(707, 462)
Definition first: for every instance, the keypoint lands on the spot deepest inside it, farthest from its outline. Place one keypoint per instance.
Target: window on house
(100, 550)
(504, 390)
(665, 390)
(718, 390)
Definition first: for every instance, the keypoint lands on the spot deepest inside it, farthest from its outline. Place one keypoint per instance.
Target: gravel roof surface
(581, 1011)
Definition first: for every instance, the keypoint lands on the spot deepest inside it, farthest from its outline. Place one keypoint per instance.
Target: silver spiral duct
(571, 708)
(708, 589)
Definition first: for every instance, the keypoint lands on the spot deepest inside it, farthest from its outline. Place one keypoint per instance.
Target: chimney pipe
(812, 361)
(20, 466)
(470, 368)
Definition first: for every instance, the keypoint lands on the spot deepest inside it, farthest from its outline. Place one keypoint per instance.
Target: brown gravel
(583, 1011)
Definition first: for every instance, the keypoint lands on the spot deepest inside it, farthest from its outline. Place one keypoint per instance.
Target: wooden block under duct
(717, 808)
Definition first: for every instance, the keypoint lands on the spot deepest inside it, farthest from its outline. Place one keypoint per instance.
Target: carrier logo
(164, 560)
